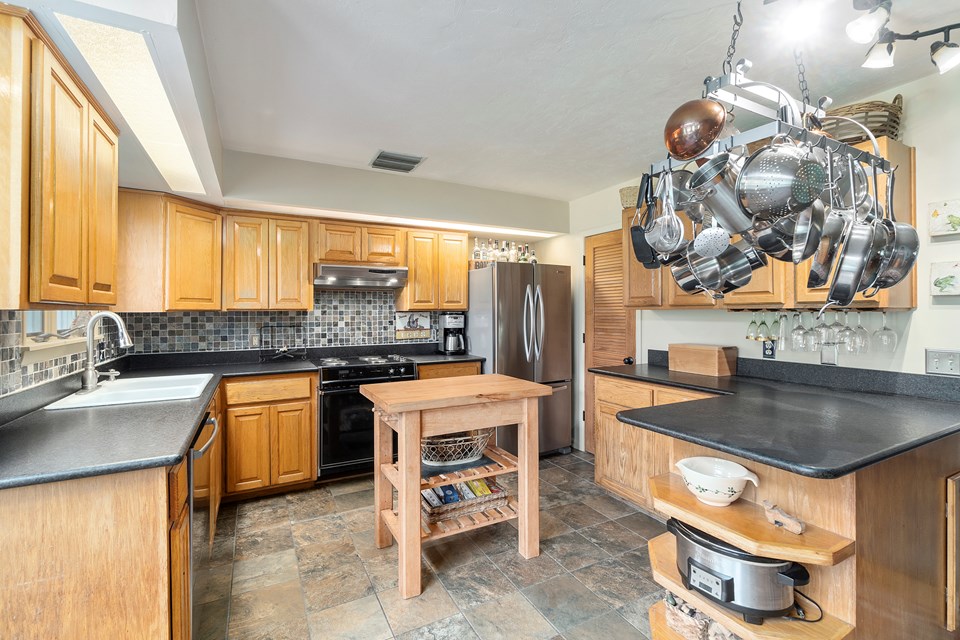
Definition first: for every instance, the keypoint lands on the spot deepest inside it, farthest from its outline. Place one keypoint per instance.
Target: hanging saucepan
(715, 185)
(779, 179)
(683, 199)
(902, 249)
(876, 256)
(773, 237)
(834, 226)
(757, 259)
(693, 127)
(642, 251)
(808, 231)
(858, 241)
(735, 269)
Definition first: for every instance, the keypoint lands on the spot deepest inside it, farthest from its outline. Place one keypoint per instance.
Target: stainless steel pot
(902, 247)
(833, 228)
(807, 231)
(851, 263)
(754, 586)
(715, 185)
(735, 269)
(773, 237)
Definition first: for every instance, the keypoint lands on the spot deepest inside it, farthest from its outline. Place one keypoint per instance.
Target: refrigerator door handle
(528, 322)
(538, 305)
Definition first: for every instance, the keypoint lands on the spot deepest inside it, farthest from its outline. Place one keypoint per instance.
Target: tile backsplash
(339, 318)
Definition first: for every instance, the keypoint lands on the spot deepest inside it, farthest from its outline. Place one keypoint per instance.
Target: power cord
(801, 614)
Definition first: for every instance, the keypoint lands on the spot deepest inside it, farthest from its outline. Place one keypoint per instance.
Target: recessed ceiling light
(122, 63)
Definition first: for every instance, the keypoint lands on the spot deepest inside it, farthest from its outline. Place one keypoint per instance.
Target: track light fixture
(945, 55)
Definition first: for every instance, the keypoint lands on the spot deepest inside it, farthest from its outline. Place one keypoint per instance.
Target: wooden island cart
(422, 408)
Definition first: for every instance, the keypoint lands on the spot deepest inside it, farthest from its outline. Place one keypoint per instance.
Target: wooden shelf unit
(744, 525)
(659, 628)
(663, 561)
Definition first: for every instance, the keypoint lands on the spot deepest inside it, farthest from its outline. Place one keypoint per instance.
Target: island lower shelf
(663, 561)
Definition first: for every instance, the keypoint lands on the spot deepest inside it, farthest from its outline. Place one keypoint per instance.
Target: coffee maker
(453, 336)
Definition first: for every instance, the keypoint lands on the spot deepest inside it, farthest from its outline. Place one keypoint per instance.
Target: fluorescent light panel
(123, 65)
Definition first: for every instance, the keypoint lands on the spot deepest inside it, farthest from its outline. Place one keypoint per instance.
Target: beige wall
(931, 111)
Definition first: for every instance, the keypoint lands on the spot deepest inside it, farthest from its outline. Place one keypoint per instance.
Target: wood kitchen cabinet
(437, 271)
(641, 286)
(193, 258)
(771, 286)
(383, 245)
(447, 370)
(362, 244)
(73, 183)
(266, 263)
(271, 433)
(626, 455)
(180, 610)
(339, 242)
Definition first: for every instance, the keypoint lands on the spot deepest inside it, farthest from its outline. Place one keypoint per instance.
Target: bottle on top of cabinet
(512, 255)
(533, 257)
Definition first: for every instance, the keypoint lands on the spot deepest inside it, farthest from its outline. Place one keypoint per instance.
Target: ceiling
(510, 96)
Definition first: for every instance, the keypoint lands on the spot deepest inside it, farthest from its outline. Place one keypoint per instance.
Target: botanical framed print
(945, 278)
(944, 217)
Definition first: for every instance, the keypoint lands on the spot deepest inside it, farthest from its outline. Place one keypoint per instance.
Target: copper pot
(693, 127)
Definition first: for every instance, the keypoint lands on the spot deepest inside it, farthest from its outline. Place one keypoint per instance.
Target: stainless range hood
(344, 276)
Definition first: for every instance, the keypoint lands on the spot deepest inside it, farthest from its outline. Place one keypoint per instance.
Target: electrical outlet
(769, 350)
(944, 362)
(254, 340)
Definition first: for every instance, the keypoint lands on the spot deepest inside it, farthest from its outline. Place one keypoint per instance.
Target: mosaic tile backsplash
(339, 318)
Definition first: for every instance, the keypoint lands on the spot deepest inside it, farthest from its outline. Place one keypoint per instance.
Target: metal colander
(779, 179)
(456, 448)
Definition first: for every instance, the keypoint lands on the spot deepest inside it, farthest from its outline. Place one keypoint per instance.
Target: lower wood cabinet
(180, 610)
(626, 455)
(447, 370)
(271, 433)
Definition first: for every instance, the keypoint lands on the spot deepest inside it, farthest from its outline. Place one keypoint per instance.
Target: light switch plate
(944, 362)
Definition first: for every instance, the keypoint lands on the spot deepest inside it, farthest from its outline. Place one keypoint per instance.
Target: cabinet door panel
(248, 448)
(383, 245)
(452, 271)
(291, 286)
(770, 286)
(291, 443)
(58, 226)
(103, 208)
(246, 249)
(422, 256)
(193, 258)
(201, 466)
(339, 243)
(180, 612)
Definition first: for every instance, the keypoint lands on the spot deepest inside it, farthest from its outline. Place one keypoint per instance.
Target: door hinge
(584, 260)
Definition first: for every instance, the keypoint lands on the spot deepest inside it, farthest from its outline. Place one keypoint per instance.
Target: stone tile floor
(304, 565)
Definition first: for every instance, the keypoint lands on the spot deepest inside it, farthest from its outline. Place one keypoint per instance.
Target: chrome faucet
(90, 378)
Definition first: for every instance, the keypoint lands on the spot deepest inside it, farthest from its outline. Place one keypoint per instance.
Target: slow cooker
(754, 586)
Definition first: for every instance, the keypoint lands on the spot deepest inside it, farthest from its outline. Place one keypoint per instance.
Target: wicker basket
(434, 514)
(628, 197)
(881, 118)
(455, 448)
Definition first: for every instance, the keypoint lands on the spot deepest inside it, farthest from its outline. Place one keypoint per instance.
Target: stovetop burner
(332, 362)
(353, 361)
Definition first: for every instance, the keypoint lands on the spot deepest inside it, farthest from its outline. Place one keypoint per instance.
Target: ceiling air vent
(396, 162)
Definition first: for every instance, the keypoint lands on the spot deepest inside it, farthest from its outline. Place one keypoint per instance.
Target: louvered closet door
(610, 327)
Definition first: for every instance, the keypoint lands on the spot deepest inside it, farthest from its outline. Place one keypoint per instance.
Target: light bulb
(864, 29)
(880, 56)
(945, 55)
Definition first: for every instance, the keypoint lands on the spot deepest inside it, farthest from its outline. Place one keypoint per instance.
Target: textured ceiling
(556, 99)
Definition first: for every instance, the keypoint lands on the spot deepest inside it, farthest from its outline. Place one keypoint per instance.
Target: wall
(339, 318)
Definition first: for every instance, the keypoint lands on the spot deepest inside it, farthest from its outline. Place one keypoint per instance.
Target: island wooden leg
(409, 504)
(382, 489)
(528, 479)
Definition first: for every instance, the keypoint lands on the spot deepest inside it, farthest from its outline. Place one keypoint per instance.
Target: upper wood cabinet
(339, 243)
(422, 256)
(266, 263)
(102, 207)
(452, 271)
(193, 258)
(383, 245)
(771, 286)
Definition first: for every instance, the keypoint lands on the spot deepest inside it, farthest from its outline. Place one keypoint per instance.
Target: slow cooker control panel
(718, 586)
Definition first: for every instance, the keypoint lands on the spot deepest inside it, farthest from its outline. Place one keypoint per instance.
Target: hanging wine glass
(781, 330)
(823, 331)
(798, 335)
(835, 328)
(885, 338)
(862, 336)
(763, 331)
(846, 335)
(811, 339)
(752, 328)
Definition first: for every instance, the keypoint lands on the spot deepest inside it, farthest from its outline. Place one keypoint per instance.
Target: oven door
(346, 432)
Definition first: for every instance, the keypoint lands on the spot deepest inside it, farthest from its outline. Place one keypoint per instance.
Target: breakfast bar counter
(415, 409)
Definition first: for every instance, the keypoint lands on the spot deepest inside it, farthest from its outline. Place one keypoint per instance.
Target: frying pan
(642, 251)
(901, 250)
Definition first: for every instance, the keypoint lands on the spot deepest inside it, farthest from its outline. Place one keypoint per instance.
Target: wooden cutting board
(704, 359)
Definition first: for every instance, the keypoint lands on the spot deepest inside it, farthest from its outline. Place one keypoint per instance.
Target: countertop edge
(667, 383)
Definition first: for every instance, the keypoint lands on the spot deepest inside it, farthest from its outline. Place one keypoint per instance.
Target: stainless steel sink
(132, 390)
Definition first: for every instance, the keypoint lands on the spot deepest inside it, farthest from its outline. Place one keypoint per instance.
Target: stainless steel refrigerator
(521, 321)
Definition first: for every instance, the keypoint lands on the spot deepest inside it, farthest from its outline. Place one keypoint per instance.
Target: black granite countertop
(808, 430)
(48, 446)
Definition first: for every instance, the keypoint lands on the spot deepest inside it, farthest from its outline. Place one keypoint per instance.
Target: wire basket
(881, 118)
(455, 448)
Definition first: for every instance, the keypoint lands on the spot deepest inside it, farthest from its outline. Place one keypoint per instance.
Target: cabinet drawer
(447, 370)
(177, 488)
(623, 393)
(267, 389)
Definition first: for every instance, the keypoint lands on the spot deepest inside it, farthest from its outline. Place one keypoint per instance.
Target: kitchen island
(870, 474)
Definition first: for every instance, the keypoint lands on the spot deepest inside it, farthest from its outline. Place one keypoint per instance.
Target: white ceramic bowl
(715, 481)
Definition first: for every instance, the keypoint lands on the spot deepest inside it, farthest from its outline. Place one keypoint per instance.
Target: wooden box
(704, 359)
